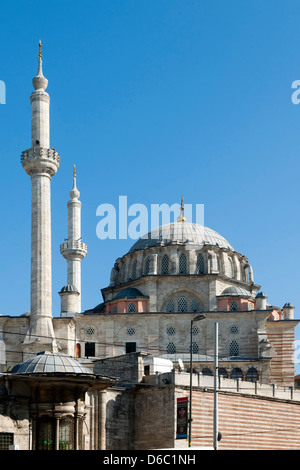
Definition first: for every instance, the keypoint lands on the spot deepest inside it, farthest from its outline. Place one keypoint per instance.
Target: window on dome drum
(236, 373)
(200, 266)
(234, 306)
(230, 268)
(170, 307)
(133, 272)
(115, 309)
(195, 306)
(222, 372)
(131, 308)
(206, 371)
(182, 264)
(182, 304)
(171, 348)
(165, 265)
(195, 348)
(252, 375)
(147, 265)
(234, 348)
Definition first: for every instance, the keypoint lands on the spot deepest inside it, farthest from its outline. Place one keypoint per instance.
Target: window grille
(234, 306)
(200, 267)
(6, 439)
(66, 433)
(182, 264)
(45, 433)
(170, 307)
(133, 272)
(171, 330)
(130, 331)
(195, 348)
(171, 348)
(131, 308)
(147, 266)
(195, 330)
(195, 306)
(234, 329)
(89, 331)
(234, 349)
(182, 304)
(165, 265)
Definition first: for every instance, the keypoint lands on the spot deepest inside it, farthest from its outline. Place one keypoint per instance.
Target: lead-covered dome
(180, 233)
(50, 362)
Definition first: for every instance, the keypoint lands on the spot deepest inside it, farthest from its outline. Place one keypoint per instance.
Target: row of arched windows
(233, 348)
(250, 376)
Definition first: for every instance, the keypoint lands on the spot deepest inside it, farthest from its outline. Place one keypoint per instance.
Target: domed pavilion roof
(180, 233)
(51, 362)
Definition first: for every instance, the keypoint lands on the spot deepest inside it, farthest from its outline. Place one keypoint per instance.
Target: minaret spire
(41, 163)
(73, 250)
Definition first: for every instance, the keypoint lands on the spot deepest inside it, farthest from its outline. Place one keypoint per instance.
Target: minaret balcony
(73, 249)
(40, 160)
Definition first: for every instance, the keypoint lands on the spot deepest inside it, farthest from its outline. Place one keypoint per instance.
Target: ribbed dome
(179, 233)
(49, 362)
(234, 290)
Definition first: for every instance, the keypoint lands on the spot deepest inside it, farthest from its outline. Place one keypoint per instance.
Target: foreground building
(168, 277)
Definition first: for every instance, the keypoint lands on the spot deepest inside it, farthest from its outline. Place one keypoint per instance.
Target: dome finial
(181, 218)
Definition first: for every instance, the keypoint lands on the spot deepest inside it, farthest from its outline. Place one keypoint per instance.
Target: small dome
(261, 295)
(50, 362)
(179, 233)
(234, 290)
(129, 293)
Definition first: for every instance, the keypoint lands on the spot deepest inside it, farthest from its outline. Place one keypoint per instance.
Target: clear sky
(155, 100)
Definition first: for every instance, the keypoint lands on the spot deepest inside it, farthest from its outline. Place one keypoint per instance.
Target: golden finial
(40, 49)
(181, 218)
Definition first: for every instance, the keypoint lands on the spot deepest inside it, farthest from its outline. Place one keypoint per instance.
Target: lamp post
(197, 318)
(216, 377)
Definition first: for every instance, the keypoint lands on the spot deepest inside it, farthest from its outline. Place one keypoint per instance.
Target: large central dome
(180, 233)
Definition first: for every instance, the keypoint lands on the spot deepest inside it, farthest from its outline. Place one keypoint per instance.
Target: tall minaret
(74, 250)
(40, 163)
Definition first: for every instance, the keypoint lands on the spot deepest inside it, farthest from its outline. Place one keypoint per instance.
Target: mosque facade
(172, 277)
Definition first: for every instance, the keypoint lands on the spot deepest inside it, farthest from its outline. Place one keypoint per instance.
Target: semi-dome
(51, 362)
(129, 293)
(180, 233)
(235, 290)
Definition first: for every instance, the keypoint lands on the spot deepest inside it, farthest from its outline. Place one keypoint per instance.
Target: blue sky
(156, 100)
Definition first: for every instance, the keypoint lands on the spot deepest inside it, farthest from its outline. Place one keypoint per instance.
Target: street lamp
(197, 318)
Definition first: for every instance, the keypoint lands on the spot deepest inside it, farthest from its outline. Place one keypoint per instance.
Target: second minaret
(73, 250)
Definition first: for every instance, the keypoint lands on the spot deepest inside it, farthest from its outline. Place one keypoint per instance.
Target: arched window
(131, 308)
(206, 371)
(200, 267)
(236, 373)
(171, 348)
(195, 306)
(170, 307)
(182, 264)
(230, 268)
(222, 372)
(252, 375)
(165, 264)
(78, 350)
(147, 265)
(133, 271)
(234, 306)
(182, 304)
(234, 348)
(45, 435)
(67, 433)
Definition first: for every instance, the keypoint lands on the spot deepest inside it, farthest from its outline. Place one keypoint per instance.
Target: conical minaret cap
(40, 82)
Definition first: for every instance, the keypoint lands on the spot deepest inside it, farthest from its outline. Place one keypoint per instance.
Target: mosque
(173, 276)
